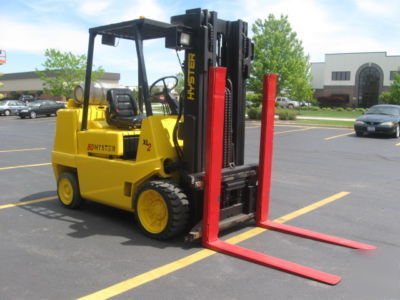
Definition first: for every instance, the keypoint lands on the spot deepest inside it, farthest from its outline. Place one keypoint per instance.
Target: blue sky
(28, 27)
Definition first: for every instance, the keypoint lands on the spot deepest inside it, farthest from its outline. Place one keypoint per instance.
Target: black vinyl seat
(122, 110)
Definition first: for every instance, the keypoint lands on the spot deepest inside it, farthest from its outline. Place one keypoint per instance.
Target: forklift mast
(213, 42)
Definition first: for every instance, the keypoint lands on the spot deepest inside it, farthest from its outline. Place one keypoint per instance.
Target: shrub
(360, 109)
(340, 109)
(286, 114)
(254, 113)
(349, 109)
(254, 98)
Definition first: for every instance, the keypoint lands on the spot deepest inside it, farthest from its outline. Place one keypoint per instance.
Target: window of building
(392, 74)
(341, 75)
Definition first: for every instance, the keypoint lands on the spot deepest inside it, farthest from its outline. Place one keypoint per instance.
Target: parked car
(379, 119)
(27, 98)
(40, 108)
(287, 103)
(9, 107)
(305, 104)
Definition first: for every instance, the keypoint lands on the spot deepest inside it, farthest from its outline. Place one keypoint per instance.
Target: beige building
(18, 83)
(359, 78)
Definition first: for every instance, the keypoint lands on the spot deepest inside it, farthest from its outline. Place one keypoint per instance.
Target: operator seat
(122, 110)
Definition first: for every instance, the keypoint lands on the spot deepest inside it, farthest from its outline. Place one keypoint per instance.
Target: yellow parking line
(253, 127)
(20, 150)
(294, 130)
(24, 166)
(398, 144)
(156, 273)
(253, 232)
(337, 136)
(27, 202)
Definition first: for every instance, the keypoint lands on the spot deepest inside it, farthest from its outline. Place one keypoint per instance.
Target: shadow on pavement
(97, 219)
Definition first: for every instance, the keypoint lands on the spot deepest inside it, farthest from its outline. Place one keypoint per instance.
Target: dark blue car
(379, 119)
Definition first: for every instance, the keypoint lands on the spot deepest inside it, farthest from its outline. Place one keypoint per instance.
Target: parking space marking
(294, 130)
(338, 136)
(27, 202)
(398, 144)
(20, 150)
(24, 166)
(288, 125)
(253, 127)
(164, 270)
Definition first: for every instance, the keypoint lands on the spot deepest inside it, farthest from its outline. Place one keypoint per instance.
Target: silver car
(287, 103)
(9, 107)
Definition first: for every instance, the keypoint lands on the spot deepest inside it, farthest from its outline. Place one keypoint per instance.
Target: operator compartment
(114, 121)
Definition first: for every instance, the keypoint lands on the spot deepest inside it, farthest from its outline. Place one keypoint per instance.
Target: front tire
(161, 209)
(68, 190)
(32, 115)
(359, 133)
(7, 112)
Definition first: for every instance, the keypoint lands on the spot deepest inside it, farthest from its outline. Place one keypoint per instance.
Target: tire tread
(178, 207)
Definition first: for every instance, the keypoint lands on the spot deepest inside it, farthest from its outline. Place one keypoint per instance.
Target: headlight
(388, 123)
(184, 39)
(360, 122)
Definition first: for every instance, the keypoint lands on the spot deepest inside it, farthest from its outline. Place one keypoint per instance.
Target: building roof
(368, 52)
(32, 74)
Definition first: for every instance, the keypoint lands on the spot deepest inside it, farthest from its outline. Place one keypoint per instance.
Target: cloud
(93, 7)
(326, 27)
(323, 26)
(36, 37)
(150, 9)
(381, 7)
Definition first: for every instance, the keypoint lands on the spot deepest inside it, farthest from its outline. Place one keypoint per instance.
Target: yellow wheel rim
(65, 191)
(152, 211)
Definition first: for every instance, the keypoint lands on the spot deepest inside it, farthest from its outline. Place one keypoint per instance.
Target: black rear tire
(170, 209)
(359, 133)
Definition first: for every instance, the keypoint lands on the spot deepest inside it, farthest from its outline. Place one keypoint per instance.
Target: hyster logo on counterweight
(191, 79)
(100, 147)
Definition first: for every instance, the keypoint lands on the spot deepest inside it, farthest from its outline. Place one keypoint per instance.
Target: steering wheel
(166, 88)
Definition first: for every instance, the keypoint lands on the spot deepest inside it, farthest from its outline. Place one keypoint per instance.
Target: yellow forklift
(110, 148)
(181, 172)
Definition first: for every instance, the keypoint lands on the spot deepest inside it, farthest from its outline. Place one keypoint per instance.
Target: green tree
(393, 95)
(278, 50)
(181, 83)
(63, 71)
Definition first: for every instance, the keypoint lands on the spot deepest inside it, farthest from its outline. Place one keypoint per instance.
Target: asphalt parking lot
(49, 252)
